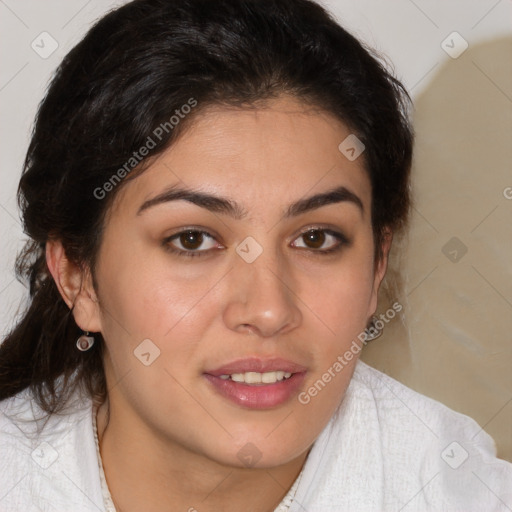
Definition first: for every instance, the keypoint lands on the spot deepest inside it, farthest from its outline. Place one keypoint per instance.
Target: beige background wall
(458, 263)
(454, 342)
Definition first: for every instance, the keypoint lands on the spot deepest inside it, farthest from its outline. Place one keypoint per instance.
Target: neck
(145, 472)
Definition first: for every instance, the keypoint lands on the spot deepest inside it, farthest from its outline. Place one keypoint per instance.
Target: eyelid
(331, 230)
(199, 229)
(166, 242)
(342, 239)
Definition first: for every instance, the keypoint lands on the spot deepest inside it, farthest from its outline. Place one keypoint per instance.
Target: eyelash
(342, 241)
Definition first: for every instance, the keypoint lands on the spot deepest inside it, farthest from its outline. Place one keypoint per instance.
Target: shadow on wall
(457, 343)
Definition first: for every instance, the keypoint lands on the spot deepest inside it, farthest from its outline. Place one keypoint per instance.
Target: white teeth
(269, 377)
(252, 378)
(258, 378)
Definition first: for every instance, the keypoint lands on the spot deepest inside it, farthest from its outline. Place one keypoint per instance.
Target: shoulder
(400, 450)
(423, 417)
(447, 456)
(49, 462)
(408, 415)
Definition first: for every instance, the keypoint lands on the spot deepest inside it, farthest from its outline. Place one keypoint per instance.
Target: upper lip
(255, 364)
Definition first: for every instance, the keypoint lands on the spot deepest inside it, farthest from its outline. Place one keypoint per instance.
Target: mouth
(255, 383)
(256, 378)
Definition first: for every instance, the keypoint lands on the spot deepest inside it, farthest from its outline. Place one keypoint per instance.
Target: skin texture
(166, 435)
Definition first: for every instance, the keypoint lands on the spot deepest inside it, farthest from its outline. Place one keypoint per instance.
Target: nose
(261, 299)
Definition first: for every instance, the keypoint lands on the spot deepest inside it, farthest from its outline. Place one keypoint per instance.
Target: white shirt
(387, 448)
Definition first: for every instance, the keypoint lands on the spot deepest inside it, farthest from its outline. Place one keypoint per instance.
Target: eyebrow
(218, 204)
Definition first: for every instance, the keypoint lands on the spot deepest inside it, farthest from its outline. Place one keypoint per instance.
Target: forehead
(262, 157)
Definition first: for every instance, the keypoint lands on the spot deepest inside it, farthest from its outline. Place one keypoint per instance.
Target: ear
(380, 268)
(75, 286)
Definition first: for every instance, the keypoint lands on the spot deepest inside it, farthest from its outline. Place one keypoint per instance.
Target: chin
(258, 451)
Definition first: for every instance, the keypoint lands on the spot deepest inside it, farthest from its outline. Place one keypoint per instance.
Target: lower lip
(260, 396)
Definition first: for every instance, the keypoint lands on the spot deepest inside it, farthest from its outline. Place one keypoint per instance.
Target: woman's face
(243, 254)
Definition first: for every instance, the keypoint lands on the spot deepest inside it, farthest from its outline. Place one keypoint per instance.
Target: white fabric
(387, 449)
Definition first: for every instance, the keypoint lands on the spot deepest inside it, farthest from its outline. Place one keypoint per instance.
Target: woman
(211, 192)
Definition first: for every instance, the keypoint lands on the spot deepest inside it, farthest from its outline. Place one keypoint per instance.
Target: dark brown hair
(127, 77)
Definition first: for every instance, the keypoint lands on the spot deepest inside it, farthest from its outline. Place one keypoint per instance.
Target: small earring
(372, 331)
(85, 342)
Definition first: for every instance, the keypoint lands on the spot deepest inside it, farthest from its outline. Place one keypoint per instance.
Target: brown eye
(321, 241)
(191, 239)
(190, 242)
(314, 238)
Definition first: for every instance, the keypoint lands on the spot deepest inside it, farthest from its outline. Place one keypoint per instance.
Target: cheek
(340, 304)
(149, 308)
(144, 295)
(340, 312)
(341, 299)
